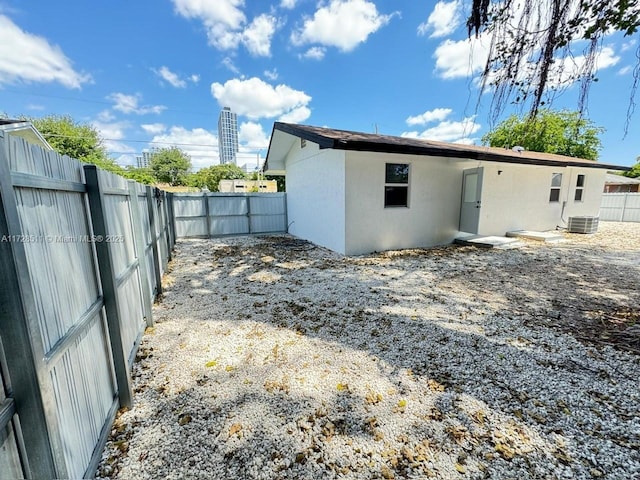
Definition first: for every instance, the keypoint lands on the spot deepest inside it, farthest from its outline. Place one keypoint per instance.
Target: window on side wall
(579, 188)
(556, 183)
(396, 185)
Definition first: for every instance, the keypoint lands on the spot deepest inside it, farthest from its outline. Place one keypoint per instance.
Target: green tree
(140, 175)
(77, 140)
(280, 181)
(635, 170)
(210, 177)
(564, 133)
(532, 48)
(170, 165)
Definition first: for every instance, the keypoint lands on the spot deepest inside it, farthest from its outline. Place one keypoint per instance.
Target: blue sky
(160, 71)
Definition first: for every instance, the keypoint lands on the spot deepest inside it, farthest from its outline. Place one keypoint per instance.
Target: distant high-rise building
(227, 136)
(144, 159)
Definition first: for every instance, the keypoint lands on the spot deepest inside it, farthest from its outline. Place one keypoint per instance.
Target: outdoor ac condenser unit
(583, 225)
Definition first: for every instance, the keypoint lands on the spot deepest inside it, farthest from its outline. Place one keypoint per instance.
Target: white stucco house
(357, 193)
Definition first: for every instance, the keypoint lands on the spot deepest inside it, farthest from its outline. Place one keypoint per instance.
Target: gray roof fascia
(408, 149)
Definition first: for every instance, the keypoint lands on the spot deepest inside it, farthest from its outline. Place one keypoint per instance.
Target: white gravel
(273, 359)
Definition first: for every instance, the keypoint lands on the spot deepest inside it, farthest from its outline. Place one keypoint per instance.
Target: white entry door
(471, 195)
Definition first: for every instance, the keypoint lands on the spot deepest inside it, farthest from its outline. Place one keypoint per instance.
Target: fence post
(167, 228)
(248, 198)
(206, 212)
(17, 310)
(154, 239)
(140, 244)
(109, 284)
(172, 222)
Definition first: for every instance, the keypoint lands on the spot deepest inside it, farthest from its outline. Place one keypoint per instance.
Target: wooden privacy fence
(82, 252)
(218, 214)
(620, 207)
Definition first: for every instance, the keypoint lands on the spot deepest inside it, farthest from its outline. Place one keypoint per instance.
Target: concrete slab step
(549, 236)
(489, 241)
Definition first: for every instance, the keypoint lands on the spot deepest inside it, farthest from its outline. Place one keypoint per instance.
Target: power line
(99, 102)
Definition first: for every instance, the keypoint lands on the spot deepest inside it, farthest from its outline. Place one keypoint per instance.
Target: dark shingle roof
(371, 142)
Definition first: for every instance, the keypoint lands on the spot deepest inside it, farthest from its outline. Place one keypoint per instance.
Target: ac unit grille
(583, 224)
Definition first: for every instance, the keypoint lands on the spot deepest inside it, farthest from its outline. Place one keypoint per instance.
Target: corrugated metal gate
(218, 214)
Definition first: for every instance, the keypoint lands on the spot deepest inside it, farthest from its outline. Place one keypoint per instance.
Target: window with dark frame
(556, 184)
(396, 185)
(579, 188)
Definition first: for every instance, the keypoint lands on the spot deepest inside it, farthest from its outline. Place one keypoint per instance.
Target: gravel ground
(273, 358)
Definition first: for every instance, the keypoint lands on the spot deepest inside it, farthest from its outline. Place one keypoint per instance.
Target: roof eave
(469, 155)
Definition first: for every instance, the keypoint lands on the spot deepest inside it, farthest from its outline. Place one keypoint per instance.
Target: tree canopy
(563, 133)
(533, 46)
(210, 176)
(635, 170)
(170, 165)
(77, 140)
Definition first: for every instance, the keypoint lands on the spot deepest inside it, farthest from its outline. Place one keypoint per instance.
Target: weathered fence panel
(620, 207)
(75, 298)
(219, 214)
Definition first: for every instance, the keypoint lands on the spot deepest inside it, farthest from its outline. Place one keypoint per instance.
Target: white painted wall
(316, 195)
(336, 199)
(433, 214)
(518, 197)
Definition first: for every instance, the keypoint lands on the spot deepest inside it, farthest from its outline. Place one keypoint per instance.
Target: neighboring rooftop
(371, 142)
(621, 180)
(24, 129)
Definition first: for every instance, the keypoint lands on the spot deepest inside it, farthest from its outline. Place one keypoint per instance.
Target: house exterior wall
(432, 218)
(316, 195)
(518, 197)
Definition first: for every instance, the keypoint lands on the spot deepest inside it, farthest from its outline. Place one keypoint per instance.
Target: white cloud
(565, 71)
(220, 17)
(257, 36)
(290, 4)
(297, 115)
(111, 130)
(194, 78)
(25, 57)
(459, 59)
(342, 23)
(170, 77)
(449, 131)
(436, 115)
(126, 160)
(251, 135)
(200, 144)
(227, 62)
(226, 24)
(153, 128)
(271, 74)
(113, 133)
(35, 107)
(129, 104)
(625, 70)
(314, 53)
(255, 98)
(444, 19)
(628, 45)
(106, 116)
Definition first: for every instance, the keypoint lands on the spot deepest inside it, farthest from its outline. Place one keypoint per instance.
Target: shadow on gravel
(469, 337)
